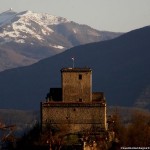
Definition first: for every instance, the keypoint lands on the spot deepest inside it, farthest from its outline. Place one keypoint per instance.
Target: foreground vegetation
(134, 132)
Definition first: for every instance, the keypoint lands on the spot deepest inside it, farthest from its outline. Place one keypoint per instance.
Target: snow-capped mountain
(27, 37)
(18, 27)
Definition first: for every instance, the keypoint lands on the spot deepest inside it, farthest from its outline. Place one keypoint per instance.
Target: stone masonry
(79, 109)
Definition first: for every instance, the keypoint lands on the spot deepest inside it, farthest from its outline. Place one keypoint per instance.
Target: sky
(108, 15)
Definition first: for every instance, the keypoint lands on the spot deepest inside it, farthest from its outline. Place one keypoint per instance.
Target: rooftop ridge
(85, 69)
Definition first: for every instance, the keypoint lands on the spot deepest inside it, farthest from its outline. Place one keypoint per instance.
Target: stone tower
(76, 84)
(74, 105)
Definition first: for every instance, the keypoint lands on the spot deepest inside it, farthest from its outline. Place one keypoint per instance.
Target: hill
(120, 69)
(27, 37)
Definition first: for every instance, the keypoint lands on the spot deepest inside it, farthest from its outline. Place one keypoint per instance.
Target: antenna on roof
(72, 62)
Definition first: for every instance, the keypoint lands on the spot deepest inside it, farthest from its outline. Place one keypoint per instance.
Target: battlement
(73, 104)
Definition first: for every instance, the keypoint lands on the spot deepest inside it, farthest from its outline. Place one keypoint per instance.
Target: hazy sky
(110, 15)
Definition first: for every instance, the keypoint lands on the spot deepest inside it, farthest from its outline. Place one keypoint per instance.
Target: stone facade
(79, 109)
(76, 85)
(78, 116)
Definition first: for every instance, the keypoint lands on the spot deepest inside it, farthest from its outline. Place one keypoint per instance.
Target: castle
(74, 105)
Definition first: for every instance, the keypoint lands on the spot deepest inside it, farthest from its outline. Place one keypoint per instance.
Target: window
(80, 76)
(80, 99)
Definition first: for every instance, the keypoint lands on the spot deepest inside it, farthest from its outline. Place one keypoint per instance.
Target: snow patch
(57, 46)
(74, 30)
(42, 18)
(20, 41)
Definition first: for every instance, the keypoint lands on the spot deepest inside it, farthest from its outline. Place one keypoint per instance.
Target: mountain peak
(6, 16)
(42, 17)
(27, 23)
(10, 10)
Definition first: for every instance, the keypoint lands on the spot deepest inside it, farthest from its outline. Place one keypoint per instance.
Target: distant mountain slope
(120, 69)
(31, 37)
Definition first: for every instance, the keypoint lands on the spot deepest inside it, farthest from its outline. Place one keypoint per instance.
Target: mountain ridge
(34, 36)
(120, 69)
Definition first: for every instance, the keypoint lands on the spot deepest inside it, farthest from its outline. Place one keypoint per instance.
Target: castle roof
(76, 70)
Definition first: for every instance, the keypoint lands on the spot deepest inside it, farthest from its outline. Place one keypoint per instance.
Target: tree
(138, 131)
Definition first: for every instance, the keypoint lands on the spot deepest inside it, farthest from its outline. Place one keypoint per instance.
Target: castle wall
(98, 96)
(75, 117)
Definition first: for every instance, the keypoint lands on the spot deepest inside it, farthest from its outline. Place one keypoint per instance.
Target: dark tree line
(135, 132)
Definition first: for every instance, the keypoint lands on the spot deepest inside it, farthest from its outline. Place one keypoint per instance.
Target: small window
(80, 76)
(80, 99)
